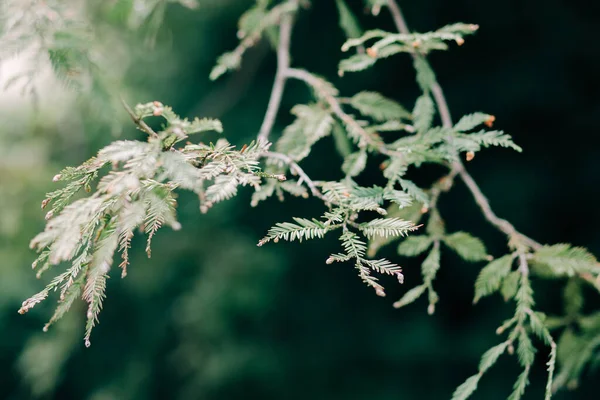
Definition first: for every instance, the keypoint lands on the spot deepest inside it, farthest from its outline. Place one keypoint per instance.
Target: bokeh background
(211, 316)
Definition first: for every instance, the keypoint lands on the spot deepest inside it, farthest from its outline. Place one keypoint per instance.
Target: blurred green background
(211, 316)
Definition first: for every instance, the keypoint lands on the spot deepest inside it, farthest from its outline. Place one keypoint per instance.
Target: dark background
(212, 316)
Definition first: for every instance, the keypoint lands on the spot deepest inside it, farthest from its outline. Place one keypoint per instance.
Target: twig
(283, 64)
(295, 168)
(458, 167)
(138, 121)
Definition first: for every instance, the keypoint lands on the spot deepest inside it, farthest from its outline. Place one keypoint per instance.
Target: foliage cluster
(138, 181)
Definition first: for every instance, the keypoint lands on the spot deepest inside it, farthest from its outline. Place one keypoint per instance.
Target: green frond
(520, 385)
(474, 141)
(423, 113)
(177, 169)
(378, 107)
(355, 63)
(348, 21)
(301, 230)
(466, 389)
(490, 357)
(414, 245)
(160, 210)
(466, 246)
(402, 199)
(353, 246)
(383, 266)
(410, 296)
(525, 349)
(564, 260)
(510, 284)
(232, 60)
(355, 163)
(395, 169)
(425, 75)
(387, 227)
(491, 276)
(414, 191)
(470, 121)
(223, 188)
(72, 293)
(431, 265)
(97, 273)
(123, 150)
(312, 123)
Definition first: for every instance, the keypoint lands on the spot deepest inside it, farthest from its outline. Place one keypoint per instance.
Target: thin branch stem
(295, 168)
(283, 64)
(457, 166)
(138, 121)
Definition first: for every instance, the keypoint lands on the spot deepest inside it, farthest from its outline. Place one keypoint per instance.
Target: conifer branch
(283, 64)
(457, 166)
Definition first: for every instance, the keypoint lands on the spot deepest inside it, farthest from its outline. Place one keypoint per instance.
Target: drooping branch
(457, 166)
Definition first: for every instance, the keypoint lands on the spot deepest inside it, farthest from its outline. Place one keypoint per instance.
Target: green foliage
(491, 276)
(133, 185)
(137, 192)
(414, 245)
(423, 113)
(355, 163)
(466, 246)
(348, 21)
(312, 123)
(378, 107)
(465, 390)
(385, 44)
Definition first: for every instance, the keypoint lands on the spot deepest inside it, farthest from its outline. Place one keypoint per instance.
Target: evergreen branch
(458, 167)
(516, 239)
